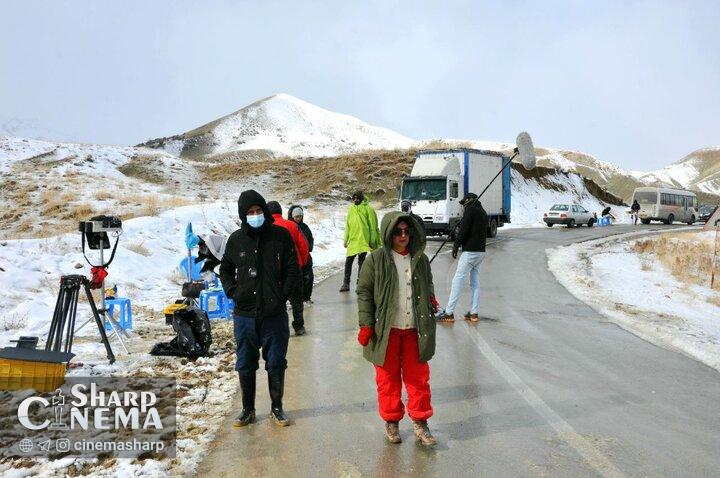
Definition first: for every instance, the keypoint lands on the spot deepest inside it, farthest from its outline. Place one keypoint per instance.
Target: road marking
(565, 431)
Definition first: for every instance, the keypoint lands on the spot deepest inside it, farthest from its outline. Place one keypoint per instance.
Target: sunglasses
(402, 232)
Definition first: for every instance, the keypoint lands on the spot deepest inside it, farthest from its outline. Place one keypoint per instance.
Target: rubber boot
(298, 322)
(247, 390)
(276, 384)
(348, 272)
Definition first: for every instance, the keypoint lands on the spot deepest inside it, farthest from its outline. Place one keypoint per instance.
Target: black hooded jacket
(259, 269)
(473, 228)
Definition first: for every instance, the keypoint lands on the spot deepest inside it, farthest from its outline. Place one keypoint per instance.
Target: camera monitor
(96, 230)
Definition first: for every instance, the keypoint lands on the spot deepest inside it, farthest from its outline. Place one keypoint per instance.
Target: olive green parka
(378, 291)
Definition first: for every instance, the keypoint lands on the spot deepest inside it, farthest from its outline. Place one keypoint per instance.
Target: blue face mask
(256, 221)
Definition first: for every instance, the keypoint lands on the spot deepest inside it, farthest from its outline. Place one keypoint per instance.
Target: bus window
(646, 197)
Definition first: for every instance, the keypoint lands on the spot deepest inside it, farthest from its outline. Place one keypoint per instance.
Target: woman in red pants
(397, 324)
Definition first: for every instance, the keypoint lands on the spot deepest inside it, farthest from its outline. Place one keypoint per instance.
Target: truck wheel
(670, 219)
(549, 224)
(591, 222)
(645, 221)
(492, 229)
(692, 221)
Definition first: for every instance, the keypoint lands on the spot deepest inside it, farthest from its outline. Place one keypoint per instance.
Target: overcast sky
(633, 83)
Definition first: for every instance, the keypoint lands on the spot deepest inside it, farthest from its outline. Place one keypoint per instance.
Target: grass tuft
(139, 248)
(688, 258)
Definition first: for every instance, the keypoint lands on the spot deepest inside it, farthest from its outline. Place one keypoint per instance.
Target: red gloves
(435, 304)
(364, 335)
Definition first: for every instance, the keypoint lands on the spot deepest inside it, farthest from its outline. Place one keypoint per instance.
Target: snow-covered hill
(698, 170)
(284, 126)
(30, 128)
(47, 187)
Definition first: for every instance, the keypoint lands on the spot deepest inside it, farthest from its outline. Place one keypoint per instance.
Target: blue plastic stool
(223, 306)
(124, 317)
(195, 267)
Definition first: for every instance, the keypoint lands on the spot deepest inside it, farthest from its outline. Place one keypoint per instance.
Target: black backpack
(193, 337)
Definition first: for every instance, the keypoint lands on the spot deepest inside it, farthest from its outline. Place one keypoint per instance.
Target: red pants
(402, 364)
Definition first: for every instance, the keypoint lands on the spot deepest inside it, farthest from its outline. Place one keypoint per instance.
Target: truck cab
(436, 199)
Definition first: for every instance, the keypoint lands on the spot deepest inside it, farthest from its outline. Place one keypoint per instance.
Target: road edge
(678, 344)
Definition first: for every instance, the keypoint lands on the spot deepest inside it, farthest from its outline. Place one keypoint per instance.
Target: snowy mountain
(283, 126)
(30, 128)
(699, 170)
(47, 187)
(52, 185)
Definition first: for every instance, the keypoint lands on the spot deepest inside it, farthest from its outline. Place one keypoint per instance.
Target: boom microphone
(526, 150)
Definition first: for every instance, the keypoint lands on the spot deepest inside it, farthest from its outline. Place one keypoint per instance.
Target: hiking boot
(246, 417)
(447, 318)
(345, 288)
(422, 432)
(278, 416)
(300, 331)
(392, 432)
(472, 317)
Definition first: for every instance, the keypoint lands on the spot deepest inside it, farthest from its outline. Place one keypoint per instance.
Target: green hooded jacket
(378, 292)
(361, 229)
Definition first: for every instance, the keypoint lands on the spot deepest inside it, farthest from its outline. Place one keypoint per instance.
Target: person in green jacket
(396, 304)
(361, 235)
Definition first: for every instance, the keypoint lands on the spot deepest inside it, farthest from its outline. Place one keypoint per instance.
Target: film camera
(96, 230)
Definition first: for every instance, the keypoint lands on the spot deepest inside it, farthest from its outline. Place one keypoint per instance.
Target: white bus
(666, 205)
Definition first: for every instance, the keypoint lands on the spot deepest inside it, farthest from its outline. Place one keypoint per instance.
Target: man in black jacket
(471, 237)
(259, 271)
(297, 214)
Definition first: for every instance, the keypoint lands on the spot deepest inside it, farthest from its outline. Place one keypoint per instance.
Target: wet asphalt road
(542, 386)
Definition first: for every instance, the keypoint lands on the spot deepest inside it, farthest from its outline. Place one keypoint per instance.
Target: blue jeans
(469, 264)
(271, 334)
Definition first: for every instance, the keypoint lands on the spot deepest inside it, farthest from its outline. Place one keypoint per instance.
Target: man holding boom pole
(471, 237)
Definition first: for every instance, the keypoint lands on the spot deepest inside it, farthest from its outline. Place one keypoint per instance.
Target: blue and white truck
(441, 178)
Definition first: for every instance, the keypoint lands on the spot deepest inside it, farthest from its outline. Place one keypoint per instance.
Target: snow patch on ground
(641, 295)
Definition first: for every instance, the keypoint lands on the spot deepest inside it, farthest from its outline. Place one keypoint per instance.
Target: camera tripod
(62, 328)
(99, 240)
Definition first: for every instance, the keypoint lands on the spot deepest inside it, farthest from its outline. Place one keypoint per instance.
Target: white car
(569, 214)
